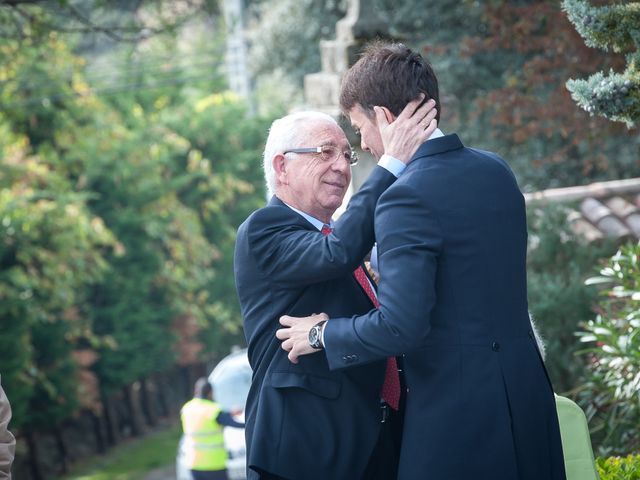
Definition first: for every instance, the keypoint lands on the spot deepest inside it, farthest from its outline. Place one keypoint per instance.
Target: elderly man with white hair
(304, 421)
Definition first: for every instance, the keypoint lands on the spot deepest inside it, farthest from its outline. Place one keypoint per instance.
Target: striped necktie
(391, 386)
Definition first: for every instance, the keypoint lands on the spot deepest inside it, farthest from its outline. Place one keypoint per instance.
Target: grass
(132, 459)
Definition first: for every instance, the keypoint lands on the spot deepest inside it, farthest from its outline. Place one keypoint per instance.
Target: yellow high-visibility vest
(203, 439)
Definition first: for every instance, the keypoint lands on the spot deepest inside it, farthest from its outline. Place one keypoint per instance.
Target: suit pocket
(321, 386)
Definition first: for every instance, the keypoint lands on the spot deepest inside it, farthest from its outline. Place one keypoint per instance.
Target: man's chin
(333, 203)
(335, 192)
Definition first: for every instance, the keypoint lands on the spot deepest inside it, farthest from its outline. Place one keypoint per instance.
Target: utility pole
(236, 54)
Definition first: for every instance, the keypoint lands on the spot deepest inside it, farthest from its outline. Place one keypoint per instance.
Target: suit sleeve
(409, 243)
(227, 420)
(291, 255)
(7, 441)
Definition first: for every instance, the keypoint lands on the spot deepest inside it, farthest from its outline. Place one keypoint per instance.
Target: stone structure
(359, 25)
(236, 53)
(322, 89)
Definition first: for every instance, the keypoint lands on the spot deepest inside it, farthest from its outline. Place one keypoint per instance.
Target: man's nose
(341, 163)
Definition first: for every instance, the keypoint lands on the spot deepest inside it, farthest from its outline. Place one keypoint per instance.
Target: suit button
(345, 358)
(495, 346)
(354, 358)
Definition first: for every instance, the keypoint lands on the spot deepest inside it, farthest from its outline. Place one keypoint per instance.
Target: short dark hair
(388, 75)
(202, 388)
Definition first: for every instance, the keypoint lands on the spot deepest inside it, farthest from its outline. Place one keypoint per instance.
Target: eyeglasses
(329, 153)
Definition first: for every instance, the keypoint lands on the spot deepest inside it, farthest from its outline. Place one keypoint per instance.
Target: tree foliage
(615, 96)
(532, 48)
(120, 193)
(120, 21)
(51, 247)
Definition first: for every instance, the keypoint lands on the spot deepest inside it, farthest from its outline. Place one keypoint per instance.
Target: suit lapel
(276, 202)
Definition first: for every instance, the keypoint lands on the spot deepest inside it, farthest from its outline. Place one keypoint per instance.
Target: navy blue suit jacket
(452, 244)
(304, 421)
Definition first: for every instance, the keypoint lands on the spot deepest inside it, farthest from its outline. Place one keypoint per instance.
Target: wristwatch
(315, 335)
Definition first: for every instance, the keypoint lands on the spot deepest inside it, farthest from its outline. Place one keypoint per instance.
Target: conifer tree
(613, 95)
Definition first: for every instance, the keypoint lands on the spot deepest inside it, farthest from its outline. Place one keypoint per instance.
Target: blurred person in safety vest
(203, 421)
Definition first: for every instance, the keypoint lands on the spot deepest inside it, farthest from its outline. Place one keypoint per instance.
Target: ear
(280, 167)
(387, 113)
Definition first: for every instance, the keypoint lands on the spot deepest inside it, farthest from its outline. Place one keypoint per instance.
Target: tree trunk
(163, 403)
(97, 433)
(187, 382)
(134, 417)
(111, 421)
(148, 408)
(62, 450)
(34, 468)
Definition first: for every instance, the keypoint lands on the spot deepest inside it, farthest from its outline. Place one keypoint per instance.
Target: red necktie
(391, 385)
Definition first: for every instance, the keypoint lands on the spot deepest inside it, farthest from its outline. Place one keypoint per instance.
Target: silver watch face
(313, 336)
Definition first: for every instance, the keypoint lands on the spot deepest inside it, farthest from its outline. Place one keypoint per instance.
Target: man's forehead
(356, 116)
(326, 134)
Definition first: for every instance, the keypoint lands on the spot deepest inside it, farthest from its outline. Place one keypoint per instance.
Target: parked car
(230, 379)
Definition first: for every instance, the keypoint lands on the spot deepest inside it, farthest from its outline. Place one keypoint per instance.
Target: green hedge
(558, 263)
(619, 468)
(612, 346)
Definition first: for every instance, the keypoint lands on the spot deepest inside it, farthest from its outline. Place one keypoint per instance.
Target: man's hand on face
(295, 337)
(415, 124)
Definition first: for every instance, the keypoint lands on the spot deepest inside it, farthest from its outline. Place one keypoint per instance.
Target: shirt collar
(436, 133)
(312, 220)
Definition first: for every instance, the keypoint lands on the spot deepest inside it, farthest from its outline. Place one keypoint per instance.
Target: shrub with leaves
(558, 262)
(612, 393)
(619, 468)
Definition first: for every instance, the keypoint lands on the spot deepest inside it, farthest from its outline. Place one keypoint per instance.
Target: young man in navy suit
(452, 241)
(304, 421)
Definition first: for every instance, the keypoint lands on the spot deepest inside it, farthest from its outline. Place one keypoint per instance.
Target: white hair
(288, 132)
(539, 339)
